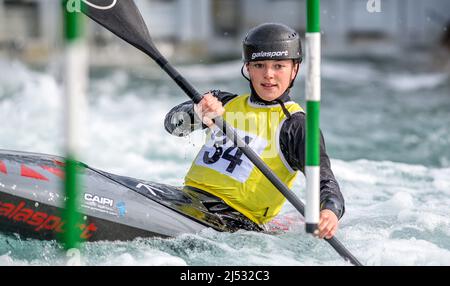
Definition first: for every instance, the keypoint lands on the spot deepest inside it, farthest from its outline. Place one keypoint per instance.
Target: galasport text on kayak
(41, 220)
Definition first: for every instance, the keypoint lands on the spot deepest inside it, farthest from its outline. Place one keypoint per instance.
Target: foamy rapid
(386, 129)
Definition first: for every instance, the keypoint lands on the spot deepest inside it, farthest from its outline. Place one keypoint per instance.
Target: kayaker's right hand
(209, 108)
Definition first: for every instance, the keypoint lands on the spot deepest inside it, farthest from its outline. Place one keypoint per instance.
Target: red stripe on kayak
(54, 171)
(59, 163)
(27, 172)
(3, 167)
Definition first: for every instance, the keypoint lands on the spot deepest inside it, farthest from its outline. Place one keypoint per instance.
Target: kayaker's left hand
(328, 224)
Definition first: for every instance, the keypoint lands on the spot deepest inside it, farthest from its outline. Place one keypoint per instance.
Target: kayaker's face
(271, 78)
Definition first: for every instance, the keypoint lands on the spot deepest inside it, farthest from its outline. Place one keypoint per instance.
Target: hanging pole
(312, 166)
(76, 69)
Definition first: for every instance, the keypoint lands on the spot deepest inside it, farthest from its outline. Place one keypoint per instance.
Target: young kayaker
(270, 122)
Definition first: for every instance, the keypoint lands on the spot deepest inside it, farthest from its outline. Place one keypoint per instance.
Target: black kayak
(113, 207)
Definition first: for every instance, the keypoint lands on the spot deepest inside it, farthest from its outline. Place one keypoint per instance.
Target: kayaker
(270, 122)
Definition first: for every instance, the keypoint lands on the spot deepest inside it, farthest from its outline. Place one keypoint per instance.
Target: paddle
(124, 19)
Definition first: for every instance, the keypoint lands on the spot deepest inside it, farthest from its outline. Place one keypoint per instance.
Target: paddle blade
(122, 17)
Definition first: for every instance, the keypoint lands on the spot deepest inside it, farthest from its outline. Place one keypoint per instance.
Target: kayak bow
(113, 207)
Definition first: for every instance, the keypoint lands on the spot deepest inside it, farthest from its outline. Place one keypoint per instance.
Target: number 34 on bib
(220, 154)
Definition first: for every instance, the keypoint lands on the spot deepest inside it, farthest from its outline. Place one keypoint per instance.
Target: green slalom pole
(312, 166)
(74, 113)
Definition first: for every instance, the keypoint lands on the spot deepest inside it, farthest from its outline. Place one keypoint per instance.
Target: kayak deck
(113, 207)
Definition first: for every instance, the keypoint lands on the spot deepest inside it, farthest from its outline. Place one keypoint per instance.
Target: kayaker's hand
(328, 224)
(209, 108)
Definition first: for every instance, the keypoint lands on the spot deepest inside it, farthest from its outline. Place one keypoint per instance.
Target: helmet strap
(243, 74)
(298, 68)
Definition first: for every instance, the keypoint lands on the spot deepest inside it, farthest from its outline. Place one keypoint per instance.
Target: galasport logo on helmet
(270, 54)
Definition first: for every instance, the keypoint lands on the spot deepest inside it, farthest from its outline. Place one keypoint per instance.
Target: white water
(387, 133)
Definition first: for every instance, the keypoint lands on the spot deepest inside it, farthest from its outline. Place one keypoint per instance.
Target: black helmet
(272, 41)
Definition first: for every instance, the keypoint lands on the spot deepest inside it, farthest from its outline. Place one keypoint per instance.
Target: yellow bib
(221, 169)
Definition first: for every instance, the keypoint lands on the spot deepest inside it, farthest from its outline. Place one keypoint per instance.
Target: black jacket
(182, 120)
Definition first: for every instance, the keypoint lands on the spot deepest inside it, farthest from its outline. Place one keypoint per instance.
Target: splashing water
(387, 131)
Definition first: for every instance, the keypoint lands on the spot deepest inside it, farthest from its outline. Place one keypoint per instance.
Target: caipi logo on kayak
(270, 54)
(75, 5)
(98, 200)
(103, 204)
